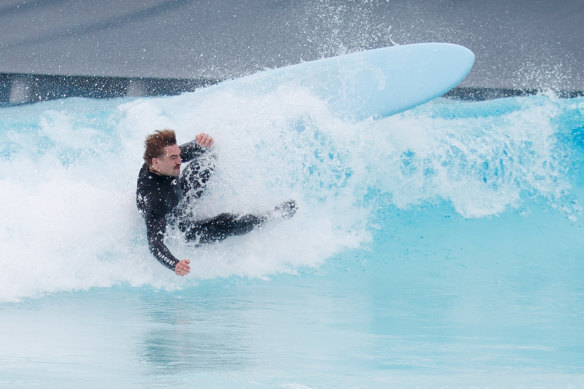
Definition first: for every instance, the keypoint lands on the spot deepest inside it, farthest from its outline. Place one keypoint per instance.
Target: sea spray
(68, 170)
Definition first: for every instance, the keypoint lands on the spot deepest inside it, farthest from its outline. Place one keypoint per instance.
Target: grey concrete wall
(518, 43)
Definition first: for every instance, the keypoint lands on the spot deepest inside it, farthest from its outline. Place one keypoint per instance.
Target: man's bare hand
(204, 140)
(182, 268)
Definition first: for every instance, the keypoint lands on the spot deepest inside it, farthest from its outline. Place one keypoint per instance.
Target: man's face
(169, 163)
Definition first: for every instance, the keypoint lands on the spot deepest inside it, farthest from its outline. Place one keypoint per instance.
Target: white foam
(69, 169)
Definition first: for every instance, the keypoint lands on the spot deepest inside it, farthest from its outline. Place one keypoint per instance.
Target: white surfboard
(374, 83)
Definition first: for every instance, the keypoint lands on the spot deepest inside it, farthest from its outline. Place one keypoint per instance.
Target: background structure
(54, 48)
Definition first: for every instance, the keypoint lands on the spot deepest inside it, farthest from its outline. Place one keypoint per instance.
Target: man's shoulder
(146, 178)
(144, 171)
(153, 191)
(146, 188)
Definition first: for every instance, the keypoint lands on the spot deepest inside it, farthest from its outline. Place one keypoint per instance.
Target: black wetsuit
(160, 199)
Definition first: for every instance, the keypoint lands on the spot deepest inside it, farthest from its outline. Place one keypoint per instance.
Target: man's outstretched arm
(200, 145)
(155, 229)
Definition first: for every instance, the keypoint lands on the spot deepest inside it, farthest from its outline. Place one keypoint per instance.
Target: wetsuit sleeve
(155, 229)
(191, 150)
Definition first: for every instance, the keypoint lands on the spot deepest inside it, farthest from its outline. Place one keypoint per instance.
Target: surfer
(163, 193)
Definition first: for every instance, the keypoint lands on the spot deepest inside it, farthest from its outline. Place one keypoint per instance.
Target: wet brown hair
(155, 144)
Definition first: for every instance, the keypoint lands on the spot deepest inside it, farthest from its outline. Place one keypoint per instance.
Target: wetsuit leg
(219, 227)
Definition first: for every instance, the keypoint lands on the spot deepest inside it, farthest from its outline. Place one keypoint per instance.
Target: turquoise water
(442, 247)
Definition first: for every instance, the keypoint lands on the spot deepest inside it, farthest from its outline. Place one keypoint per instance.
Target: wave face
(68, 172)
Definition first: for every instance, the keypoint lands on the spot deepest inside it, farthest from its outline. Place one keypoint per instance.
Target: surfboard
(370, 84)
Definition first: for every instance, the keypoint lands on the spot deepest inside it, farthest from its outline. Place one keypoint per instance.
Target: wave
(68, 172)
